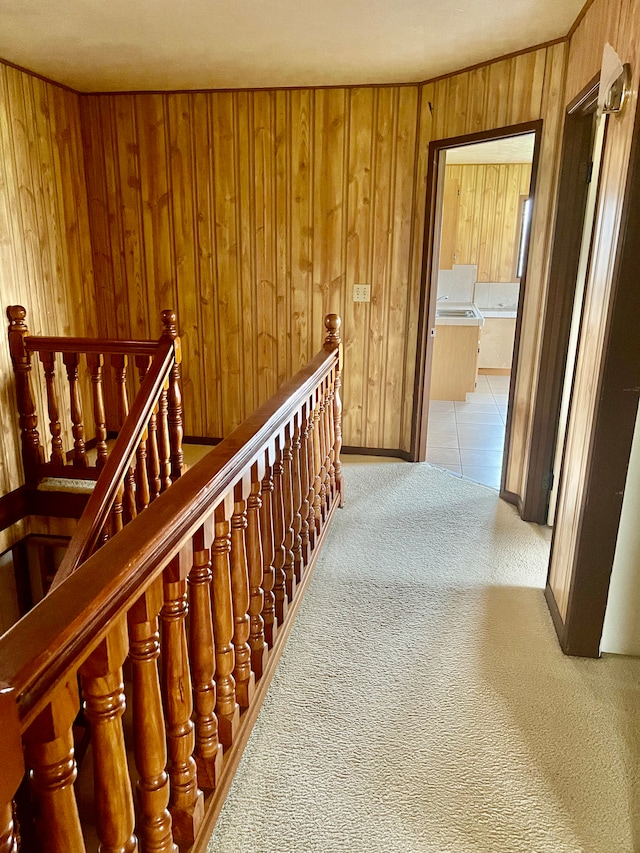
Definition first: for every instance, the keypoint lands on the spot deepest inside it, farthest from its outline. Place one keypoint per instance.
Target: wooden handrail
(35, 343)
(102, 497)
(209, 547)
(37, 651)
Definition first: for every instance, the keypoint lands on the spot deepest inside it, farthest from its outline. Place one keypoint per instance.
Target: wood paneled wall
(618, 23)
(254, 213)
(487, 224)
(45, 251)
(512, 91)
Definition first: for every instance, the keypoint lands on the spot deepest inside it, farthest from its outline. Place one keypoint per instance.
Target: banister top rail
(69, 623)
(35, 343)
(99, 504)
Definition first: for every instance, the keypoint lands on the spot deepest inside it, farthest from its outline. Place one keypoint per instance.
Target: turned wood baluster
(104, 705)
(279, 532)
(12, 768)
(227, 708)
(32, 451)
(311, 472)
(323, 451)
(72, 363)
(317, 464)
(174, 396)
(143, 496)
(331, 471)
(304, 484)
(208, 752)
(332, 324)
(153, 457)
(149, 735)
(257, 641)
(163, 439)
(52, 771)
(242, 673)
(187, 800)
(48, 360)
(289, 532)
(328, 403)
(298, 560)
(96, 364)
(268, 552)
(116, 519)
(119, 364)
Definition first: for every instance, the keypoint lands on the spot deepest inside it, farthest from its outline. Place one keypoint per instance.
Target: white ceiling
(116, 45)
(512, 149)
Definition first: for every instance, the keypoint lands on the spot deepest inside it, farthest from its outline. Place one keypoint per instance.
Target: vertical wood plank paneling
(486, 227)
(383, 155)
(126, 152)
(157, 213)
(209, 371)
(358, 267)
(95, 160)
(301, 229)
(265, 276)
(401, 207)
(296, 196)
(225, 218)
(282, 232)
(45, 253)
(328, 205)
(537, 269)
(187, 286)
(246, 246)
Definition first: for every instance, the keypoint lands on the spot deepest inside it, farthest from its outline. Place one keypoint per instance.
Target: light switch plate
(362, 293)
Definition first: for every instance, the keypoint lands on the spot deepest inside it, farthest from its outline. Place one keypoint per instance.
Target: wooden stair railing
(147, 454)
(232, 546)
(86, 362)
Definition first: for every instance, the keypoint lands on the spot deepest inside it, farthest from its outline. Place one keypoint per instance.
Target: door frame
(427, 310)
(570, 207)
(611, 438)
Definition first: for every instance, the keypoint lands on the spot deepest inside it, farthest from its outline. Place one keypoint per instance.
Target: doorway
(485, 219)
(480, 199)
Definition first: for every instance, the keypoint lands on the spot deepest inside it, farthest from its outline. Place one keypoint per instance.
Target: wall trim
(581, 16)
(42, 77)
(349, 450)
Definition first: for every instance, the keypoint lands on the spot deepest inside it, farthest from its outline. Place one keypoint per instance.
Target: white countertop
(458, 314)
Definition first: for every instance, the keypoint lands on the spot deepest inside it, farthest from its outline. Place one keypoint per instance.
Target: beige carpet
(422, 702)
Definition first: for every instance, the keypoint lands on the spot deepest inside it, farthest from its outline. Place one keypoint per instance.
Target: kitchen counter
(458, 314)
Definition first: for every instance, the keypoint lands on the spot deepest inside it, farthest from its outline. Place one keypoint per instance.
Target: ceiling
(511, 149)
(119, 45)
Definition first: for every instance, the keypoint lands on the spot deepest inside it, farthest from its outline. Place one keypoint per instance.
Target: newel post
(176, 432)
(332, 323)
(32, 451)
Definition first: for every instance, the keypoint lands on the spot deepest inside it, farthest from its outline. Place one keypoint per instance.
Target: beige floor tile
(488, 476)
(443, 455)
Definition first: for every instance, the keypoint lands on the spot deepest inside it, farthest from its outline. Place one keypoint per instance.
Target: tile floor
(467, 438)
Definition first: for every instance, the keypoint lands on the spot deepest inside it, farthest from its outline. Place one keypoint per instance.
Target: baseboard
(201, 439)
(349, 450)
(512, 498)
(556, 618)
(494, 371)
